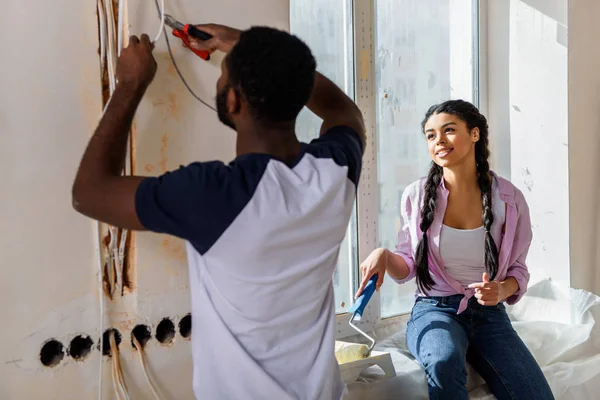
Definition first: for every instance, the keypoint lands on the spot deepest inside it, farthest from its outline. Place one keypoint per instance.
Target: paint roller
(358, 308)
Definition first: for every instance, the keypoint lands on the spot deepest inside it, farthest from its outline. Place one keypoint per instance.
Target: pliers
(184, 31)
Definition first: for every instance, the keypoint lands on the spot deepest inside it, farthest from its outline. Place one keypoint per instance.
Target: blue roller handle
(359, 305)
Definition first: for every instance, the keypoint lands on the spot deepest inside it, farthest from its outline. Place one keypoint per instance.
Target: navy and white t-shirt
(262, 242)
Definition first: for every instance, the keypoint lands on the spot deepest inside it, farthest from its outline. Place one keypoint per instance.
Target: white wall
(584, 143)
(50, 105)
(539, 129)
(528, 112)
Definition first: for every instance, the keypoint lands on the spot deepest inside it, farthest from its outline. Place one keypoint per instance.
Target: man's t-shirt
(262, 241)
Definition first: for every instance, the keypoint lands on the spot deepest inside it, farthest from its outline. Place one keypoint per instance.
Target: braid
(434, 178)
(485, 185)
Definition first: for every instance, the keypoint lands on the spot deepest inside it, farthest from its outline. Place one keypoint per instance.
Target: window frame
(367, 200)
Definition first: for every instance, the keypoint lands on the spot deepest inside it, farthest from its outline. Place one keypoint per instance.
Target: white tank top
(463, 250)
(463, 253)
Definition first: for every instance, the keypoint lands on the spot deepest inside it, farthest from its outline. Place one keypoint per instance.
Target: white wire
(175, 63)
(102, 22)
(99, 263)
(101, 294)
(162, 20)
(121, 258)
(140, 350)
(111, 54)
(120, 27)
(113, 270)
(118, 382)
(106, 59)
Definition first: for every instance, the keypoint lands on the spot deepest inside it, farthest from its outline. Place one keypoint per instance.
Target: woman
(465, 234)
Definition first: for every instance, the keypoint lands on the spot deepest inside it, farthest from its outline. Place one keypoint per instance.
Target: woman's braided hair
(474, 119)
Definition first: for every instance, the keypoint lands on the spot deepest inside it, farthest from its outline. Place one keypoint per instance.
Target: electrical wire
(175, 63)
(101, 294)
(111, 53)
(99, 263)
(140, 350)
(107, 59)
(161, 14)
(120, 27)
(118, 382)
(121, 257)
(102, 29)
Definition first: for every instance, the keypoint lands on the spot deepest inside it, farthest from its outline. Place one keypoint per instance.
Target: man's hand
(136, 66)
(488, 293)
(223, 38)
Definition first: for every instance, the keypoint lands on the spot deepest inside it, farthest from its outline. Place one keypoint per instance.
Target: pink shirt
(515, 236)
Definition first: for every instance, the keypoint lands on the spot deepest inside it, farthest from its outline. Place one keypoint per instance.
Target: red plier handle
(184, 36)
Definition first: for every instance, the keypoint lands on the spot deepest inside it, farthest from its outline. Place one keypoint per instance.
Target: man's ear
(234, 101)
(475, 135)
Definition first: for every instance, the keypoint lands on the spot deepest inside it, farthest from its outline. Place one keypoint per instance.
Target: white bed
(556, 323)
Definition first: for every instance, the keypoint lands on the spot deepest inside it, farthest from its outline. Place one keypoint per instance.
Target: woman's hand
(376, 263)
(488, 293)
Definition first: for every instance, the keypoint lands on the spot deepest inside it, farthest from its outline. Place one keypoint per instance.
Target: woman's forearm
(395, 266)
(509, 287)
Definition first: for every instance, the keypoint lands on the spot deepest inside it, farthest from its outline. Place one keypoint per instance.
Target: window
(326, 26)
(423, 53)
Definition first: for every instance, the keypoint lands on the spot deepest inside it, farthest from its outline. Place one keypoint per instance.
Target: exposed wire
(112, 271)
(121, 258)
(118, 381)
(158, 9)
(120, 27)
(101, 294)
(99, 263)
(140, 350)
(161, 15)
(118, 266)
(102, 29)
(111, 53)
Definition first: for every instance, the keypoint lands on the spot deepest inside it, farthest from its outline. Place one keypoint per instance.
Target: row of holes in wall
(53, 351)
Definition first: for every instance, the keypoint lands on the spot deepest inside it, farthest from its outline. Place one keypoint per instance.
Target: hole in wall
(80, 347)
(106, 340)
(142, 333)
(165, 331)
(185, 326)
(52, 353)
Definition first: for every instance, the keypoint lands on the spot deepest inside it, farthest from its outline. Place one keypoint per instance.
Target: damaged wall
(49, 278)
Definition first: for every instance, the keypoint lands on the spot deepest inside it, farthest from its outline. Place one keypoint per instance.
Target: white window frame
(368, 194)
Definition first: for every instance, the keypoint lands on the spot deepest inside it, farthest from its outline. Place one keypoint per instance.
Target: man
(263, 232)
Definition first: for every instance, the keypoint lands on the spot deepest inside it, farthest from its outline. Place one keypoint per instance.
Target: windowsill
(383, 328)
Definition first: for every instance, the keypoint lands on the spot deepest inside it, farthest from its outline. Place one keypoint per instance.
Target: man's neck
(278, 141)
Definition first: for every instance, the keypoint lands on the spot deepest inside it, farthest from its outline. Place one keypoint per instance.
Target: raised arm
(99, 190)
(327, 100)
(332, 105)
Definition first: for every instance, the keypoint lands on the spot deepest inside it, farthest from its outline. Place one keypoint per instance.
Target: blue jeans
(442, 341)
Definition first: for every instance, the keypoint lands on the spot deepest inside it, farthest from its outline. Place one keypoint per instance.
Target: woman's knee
(447, 371)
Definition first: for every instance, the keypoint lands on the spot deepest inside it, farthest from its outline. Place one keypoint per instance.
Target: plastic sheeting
(557, 324)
